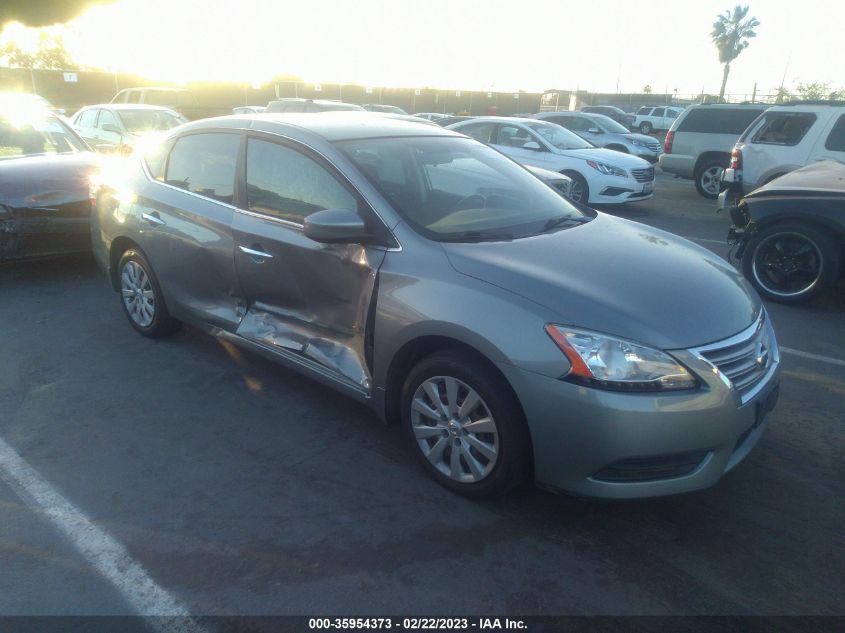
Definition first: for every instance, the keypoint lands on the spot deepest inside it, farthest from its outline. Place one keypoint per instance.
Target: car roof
(501, 119)
(812, 106)
(331, 126)
(162, 88)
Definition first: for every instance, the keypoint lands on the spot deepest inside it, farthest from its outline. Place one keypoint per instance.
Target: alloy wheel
(711, 180)
(787, 264)
(454, 429)
(576, 191)
(138, 295)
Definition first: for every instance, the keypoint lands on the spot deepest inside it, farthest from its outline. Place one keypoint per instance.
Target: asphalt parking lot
(239, 487)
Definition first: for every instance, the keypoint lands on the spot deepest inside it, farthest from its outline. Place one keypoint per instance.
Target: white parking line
(99, 549)
(818, 357)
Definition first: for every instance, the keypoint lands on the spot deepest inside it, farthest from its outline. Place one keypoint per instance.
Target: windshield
(137, 121)
(457, 189)
(559, 136)
(608, 125)
(26, 133)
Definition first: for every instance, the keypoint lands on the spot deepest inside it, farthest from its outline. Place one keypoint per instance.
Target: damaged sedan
(513, 333)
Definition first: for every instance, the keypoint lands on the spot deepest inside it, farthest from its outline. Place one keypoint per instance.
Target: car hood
(612, 157)
(46, 180)
(619, 277)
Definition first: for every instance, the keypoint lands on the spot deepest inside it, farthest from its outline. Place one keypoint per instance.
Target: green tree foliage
(49, 54)
(819, 91)
(731, 32)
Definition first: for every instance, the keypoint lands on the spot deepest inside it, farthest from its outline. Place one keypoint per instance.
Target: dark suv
(617, 114)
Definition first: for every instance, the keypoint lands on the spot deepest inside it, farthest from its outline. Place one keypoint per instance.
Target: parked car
(395, 261)
(787, 137)
(182, 100)
(790, 232)
(310, 105)
(249, 109)
(599, 176)
(431, 116)
(699, 143)
(118, 128)
(602, 131)
(44, 199)
(381, 107)
(650, 119)
(617, 114)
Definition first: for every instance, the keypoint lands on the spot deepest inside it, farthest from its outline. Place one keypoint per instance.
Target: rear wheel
(141, 297)
(465, 425)
(646, 127)
(790, 263)
(708, 178)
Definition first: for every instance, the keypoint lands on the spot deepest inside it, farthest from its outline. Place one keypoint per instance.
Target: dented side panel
(307, 298)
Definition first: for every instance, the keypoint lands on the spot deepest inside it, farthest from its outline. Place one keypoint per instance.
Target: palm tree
(730, 34)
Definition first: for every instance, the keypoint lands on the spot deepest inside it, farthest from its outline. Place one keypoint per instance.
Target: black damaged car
(45, 207)
(790, 233)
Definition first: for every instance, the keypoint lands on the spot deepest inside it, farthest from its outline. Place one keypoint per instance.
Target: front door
(303, 298)
(518, 143)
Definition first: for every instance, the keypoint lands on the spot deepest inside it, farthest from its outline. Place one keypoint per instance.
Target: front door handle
(153, 218)
(255, 253)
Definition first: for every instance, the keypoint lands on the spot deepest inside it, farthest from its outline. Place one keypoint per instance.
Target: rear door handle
(255, 253)
(153, 218)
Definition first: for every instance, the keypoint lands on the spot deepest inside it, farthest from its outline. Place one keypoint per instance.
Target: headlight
(611, 363)
(607, 170)
(636, 142)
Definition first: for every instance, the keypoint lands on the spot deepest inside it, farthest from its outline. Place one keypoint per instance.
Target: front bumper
(612, 190)
(579, 434)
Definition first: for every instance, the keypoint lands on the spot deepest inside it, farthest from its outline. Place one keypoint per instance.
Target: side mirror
(594, 130)
(111, 127)
(335, 226)
(532, 145)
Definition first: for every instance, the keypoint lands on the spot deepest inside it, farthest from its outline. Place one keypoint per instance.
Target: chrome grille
(744, 359)
(643, 175)
(655, 147)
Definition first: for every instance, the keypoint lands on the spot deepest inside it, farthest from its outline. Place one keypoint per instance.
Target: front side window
(836, 139)
(456, 189)
(205, 164)
(289, 185)
(784, 128)
(513, 136)
(672, 114)
(557, 136)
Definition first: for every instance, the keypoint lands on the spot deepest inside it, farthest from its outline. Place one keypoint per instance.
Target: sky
(531, 45)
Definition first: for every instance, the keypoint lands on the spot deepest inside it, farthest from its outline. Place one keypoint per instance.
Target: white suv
(651, 118)
(787, 137)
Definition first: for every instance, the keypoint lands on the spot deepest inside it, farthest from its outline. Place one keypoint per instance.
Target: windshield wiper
(563, 220)
(477, 236)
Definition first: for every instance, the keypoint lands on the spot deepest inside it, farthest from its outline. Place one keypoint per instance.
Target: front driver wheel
(790, 263)
(141, 297)
(579, 191)
(465, 424)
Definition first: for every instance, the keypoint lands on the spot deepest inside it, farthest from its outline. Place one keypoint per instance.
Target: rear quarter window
(836, 139)
(784, 128)
(718, 121)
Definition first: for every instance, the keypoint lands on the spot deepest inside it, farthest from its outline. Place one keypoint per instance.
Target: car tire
(486, 462)
(646, 127)
(579, 184)
(141, 296)
(708, 177)
(790, 250)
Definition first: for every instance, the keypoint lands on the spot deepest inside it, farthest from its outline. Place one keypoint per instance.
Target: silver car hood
(619, 277)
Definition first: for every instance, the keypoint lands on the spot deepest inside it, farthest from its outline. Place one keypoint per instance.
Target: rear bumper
(677, 164)
(589, 442)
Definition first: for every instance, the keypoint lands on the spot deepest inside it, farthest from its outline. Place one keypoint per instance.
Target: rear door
(184, 225)
(305, 299)
(109, 137)
(511, 139)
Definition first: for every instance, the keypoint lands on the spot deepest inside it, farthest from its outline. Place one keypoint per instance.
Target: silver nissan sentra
(512, 333)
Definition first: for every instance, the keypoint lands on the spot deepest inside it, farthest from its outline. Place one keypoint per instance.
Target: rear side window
(659, 112)
(289, 185)
(784, 128)
(205, 164)
(87, 118)
(836, 139)
(718, 120)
